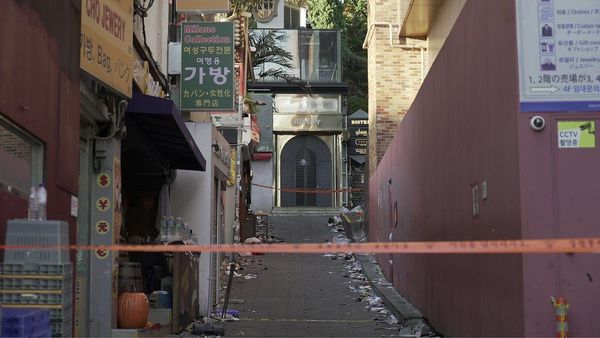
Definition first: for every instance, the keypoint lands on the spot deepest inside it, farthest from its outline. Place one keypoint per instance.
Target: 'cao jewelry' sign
(207, 66)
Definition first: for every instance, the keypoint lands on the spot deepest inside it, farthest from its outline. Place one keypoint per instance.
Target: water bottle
(42, 200)
(33, 210)
(178, 229)
(171, 229)
(163, 229)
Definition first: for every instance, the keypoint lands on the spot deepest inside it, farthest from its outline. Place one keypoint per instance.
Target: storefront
(201, 199)
(158, 144)
(130, 202)
(307, 135)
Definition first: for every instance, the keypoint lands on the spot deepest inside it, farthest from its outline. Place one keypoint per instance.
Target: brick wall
(394, 80)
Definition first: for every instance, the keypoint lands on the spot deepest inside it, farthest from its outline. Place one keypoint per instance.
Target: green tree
(349, 16)
(325, 14)
(354, 57)
(267, 43)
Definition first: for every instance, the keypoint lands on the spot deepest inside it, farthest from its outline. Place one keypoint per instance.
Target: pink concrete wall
(560, 190)
(460, 131)
(464, 128)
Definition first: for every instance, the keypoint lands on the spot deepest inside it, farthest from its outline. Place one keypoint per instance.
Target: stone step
(299, 211)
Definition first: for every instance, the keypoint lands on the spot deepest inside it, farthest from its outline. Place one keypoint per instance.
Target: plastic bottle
(163, 229)
(33, 209)
(171, 229)
(42, 200)
(178, 229)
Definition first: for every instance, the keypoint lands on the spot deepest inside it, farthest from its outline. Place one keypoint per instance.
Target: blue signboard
(559, 55)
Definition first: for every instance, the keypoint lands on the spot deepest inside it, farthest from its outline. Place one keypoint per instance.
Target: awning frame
(161, 122)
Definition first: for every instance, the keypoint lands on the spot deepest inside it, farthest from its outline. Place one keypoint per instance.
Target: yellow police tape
(525, 246)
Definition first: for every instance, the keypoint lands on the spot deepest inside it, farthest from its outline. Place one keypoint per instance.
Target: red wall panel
(39, 91)
(460, 131)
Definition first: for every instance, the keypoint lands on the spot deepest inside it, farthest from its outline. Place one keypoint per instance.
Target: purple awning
(163, 125)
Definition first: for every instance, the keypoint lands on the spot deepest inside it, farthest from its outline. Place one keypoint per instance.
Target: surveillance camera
(537, 123)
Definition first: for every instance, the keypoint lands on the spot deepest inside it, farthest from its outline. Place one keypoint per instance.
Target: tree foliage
(350, 16)
(267, 42)
(325, 14)
(354, 57)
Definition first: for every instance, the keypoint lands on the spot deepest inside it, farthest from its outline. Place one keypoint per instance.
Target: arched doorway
(305, 164)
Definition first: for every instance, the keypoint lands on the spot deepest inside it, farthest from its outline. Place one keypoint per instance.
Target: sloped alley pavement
(306, 295)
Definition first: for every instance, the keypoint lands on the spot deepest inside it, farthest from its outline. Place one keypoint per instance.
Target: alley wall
(459, 133)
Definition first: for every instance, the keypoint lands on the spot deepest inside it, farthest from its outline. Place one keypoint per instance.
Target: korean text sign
(559, 54)
(107, 42)
(207, 66)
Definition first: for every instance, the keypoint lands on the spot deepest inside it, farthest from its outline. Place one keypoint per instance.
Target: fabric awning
(161, 122)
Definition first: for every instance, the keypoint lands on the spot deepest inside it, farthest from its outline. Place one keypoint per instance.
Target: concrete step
(299, 211)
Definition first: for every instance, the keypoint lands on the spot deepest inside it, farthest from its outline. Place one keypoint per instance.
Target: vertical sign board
(103, 277)
(207, 66)
(559, 55)
(358, 130)
(106, 42)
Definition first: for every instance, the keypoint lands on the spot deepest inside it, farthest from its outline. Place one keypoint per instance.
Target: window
(21, 159)
(291, 18)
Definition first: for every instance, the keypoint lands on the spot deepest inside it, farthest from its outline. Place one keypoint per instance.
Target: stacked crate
(38, 276)
(33, 323)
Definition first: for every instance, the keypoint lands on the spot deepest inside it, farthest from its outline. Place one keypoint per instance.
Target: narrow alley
(299, 168)
(305, 295)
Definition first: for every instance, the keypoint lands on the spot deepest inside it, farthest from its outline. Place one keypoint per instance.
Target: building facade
(302, 121)
(468, 163)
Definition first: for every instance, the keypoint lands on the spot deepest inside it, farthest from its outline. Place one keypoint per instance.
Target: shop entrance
(305, 164)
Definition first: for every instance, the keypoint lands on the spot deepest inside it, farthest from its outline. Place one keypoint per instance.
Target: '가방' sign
(207, 66)
(107, 41)
(559, 55)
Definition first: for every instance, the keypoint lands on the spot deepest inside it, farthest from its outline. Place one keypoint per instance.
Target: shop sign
(204, 6)
(106, 49)
(576, 134)
(103, 180)
(357, 151)
(103, 204)
(101, 253)
(306, 122)
(207, 66)
(358, 132)
(358, 123)
(357, 146)
(102, 227)
(559, 55)
(305, 104)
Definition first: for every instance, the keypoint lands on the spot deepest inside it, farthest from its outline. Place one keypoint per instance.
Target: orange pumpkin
(133, 310)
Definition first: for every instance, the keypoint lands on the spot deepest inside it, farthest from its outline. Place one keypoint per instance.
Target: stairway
(308, 211)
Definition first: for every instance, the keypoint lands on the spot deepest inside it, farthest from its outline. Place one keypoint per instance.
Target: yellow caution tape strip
(305, 320)
(528, 246)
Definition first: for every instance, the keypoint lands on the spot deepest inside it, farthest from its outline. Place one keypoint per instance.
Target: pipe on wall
(390, 26)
